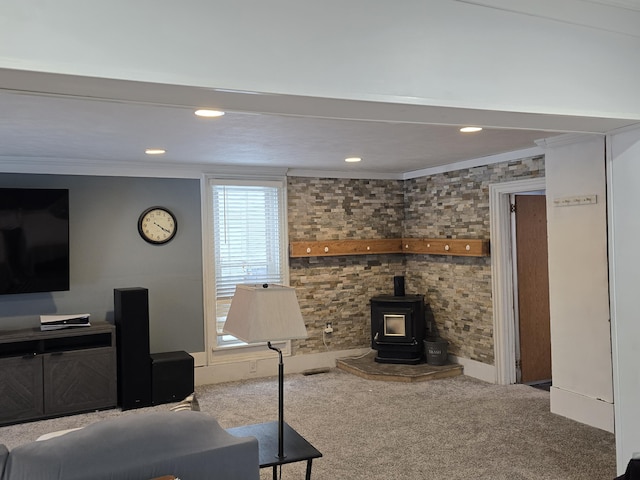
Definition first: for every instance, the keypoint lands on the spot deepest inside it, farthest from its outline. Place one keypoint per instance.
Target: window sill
(244, 352)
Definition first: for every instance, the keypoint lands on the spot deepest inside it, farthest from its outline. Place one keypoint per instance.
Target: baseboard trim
(588, 410)
(475, 369)
(199, 359)
(267, 367)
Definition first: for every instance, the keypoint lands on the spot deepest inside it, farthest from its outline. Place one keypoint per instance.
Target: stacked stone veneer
(456, 205)
(447, 205)
(338, 289)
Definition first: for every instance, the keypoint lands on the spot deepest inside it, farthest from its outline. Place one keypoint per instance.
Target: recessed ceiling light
(353, 159)
(155, 151)
(209, 113)
(470, 129)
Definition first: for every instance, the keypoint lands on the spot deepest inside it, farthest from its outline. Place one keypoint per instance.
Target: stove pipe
(398, 286)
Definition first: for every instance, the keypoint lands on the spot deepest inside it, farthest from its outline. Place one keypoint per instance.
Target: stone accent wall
(338, 289)
(340, 209)
(456, 205)
(458, 290)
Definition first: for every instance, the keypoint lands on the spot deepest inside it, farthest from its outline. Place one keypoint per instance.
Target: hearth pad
(367, 367)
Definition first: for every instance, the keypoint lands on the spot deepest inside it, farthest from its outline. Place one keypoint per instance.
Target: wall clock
(157, 225)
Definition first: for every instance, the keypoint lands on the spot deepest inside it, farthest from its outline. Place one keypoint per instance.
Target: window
(248, 243)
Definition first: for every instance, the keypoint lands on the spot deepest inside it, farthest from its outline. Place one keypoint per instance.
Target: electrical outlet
(253, 366)
(328, 328)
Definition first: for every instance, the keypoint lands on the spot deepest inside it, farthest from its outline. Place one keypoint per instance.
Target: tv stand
(55, 373)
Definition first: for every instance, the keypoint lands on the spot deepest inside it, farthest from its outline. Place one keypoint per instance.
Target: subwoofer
(131, 315)
(171, 376)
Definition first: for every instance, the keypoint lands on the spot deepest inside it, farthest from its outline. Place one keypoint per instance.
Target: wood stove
(398, 328)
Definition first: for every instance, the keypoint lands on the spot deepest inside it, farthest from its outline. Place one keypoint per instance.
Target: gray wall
(107, 252)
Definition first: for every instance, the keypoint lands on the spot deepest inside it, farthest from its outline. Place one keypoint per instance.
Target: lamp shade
(265, 313)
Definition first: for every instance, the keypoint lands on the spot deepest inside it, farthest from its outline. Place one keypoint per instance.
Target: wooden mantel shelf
(431, 246)
(447, 246)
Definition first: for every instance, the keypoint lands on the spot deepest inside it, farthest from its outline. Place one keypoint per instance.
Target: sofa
(190, 445)
(632, 472)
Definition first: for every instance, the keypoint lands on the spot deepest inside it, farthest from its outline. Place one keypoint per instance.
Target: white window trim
(234, 353)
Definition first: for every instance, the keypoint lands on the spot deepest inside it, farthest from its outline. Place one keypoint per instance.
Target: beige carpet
(454, 428)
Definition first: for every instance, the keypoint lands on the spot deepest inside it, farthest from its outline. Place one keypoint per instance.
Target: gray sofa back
(189, 445)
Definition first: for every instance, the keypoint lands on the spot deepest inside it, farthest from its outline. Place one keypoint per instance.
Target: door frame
(502, 285)
(516, 303)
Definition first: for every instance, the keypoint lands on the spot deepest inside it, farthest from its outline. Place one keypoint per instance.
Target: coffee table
(296, 448)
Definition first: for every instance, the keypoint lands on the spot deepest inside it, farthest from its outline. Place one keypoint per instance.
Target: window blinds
(247, 239)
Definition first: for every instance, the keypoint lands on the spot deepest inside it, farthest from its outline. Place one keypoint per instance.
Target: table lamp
(267, 313)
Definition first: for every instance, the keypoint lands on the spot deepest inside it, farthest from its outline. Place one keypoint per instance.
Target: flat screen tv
(34, 240)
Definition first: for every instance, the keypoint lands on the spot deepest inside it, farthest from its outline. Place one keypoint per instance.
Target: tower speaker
(131, 314)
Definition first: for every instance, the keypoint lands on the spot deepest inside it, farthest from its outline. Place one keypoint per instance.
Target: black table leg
(275, 472)
(308, 476)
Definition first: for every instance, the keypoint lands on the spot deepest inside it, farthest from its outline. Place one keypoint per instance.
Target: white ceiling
(50, 119)
(108, 122)
(49, 127)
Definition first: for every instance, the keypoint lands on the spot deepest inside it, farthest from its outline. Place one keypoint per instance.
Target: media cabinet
(59, 372)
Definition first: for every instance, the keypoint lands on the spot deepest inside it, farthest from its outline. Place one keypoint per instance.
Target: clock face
(157, 225)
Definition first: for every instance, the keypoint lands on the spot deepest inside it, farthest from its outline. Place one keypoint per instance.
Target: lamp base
(281, 454)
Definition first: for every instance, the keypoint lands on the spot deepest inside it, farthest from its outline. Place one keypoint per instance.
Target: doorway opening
(502, 267)
(531, 288)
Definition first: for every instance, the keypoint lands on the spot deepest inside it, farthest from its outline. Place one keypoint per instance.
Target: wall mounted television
(34, 240)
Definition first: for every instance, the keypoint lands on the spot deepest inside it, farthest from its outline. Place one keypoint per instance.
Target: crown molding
(359, 175)
(475, 162)
(121, 168)
(567, 139)
(628, 128)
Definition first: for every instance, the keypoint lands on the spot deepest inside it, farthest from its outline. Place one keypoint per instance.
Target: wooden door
(533, 288)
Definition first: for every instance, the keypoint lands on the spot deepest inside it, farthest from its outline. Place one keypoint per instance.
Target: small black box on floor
(171, 377)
